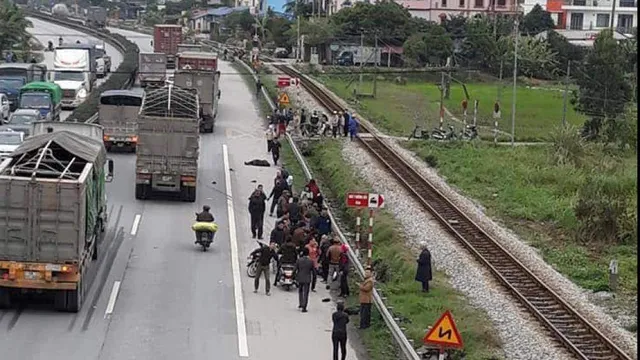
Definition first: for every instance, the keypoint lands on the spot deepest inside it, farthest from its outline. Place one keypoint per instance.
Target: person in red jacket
(313, 187)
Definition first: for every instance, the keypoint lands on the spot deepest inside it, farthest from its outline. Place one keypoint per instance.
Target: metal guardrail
(88, 31)
(400, 338)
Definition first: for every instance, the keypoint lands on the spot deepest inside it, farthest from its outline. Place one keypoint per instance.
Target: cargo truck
(118, 115)
(168, 143)
(166, 38)
(189, 47)
(96, 17)
(74, 70)
(198, 70)
(44, 97)
(53, 206)
(152, 69)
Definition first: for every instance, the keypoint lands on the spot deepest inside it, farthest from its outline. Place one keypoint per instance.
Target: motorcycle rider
(50, 45)
(60, 41)
(204, 216)
(265, 254)
(288, 256)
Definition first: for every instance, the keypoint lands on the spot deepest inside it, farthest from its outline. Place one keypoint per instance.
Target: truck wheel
(94, 254)
(188, 194)
(133, 149)
(60, 300)
(141, 192)
(74, 299)
(5, 298)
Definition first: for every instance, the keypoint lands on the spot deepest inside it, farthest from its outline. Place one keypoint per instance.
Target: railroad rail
(564, 323)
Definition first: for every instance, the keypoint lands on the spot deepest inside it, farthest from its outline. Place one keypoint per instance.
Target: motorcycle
(252, 264)
(443, 135)
(418, 133)
(286, 276)
(470, 132)
(204, 238)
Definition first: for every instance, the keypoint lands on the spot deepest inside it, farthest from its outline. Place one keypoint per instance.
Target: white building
(436, 10)
(597, 14)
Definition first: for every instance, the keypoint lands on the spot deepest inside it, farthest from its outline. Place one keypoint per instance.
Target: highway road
(46, 32)
(155, 294)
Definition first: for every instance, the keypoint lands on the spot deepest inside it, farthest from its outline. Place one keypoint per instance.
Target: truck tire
(188, 194)
(142, 192)
(69, 300)
(5, 298)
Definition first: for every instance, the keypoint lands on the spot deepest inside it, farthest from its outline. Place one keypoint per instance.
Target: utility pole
(375, 73)
(515, 83)
(299, 54)
(442, 101)
(361, 57)
(500, 81)
(565, 96)
(613, 13)
(495, 18)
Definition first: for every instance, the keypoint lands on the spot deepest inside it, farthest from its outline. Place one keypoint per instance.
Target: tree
(537, 21)
(317, 31)
(301, 7)
(388, 20)
(242, 20)
(535, 57)
(431, 47)
(603, 88)
(13, 26)
(277, 27)
(565, 51)
(480, 48)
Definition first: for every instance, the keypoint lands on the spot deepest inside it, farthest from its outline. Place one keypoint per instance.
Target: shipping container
(192, 60)
(166, 39)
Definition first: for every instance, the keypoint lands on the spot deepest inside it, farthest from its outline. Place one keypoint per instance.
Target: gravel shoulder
(515, 326)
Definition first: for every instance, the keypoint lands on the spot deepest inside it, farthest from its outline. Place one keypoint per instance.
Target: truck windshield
(99, 53)
(10, 139)
(13, 72)
(68, 76)
(11, 83)
(22, 119)
(35, 101)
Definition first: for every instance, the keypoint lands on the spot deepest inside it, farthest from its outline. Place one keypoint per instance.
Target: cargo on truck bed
(118, 114)
(168, 143)
(53, 211)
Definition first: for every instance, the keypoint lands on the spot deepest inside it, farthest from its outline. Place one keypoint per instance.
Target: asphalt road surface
(45, 32)
(155, 295)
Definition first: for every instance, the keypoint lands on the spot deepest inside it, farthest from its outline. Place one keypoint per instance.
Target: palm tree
(13, 26)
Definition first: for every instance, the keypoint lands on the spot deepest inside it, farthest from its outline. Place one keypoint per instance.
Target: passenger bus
(118, 114)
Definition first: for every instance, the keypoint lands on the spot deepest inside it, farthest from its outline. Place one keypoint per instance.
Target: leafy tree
(302, 7)
(431, 47)
(389, 20)
(535, 57)
(479, 48)
(604, 91)
(317, 31)
(565, 51)
(537, 21)
(13, 26)
(242, 20)
(277, 28)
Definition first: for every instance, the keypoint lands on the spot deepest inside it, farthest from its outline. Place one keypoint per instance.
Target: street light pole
(515, 83)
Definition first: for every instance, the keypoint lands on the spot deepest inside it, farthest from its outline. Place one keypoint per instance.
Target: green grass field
(536, 198)
(398, 108)
(402, 291)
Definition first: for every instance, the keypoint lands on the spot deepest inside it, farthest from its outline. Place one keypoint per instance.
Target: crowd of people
(314, 124)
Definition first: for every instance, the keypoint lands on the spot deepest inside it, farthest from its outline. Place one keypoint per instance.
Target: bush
(606, 211)
(568, 146)
(126, 70)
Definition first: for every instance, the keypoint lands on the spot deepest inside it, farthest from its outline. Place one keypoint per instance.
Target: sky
(276, 4)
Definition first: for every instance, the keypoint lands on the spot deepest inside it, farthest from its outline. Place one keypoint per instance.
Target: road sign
(376, 201)
(444, 333)
(283, 99)
(294, 82)
(357, 200)
(284, 81)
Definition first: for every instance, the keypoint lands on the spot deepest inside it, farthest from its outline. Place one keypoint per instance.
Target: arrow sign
(376, 201)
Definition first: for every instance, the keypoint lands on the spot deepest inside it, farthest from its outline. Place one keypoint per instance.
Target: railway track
(564, 323)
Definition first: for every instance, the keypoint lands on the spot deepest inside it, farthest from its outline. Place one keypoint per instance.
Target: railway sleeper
(610, 357)
(600, 352)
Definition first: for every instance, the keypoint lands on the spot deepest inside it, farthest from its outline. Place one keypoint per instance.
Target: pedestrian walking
(353, 127)
(334, 254)
(275, 150)
(423, 272)
(258, 87)
(344, 271)
(314, 253)
(257, 207)
(270, 134)
(265, 254)
(345, 125)
(304, 276)
(339, 333)
(279, 186)
(365, 297)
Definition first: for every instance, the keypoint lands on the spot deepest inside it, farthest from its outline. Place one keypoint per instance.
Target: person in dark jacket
(345, 124)
(339, 333)
(288, 255)
(304, 274)
(319, 200)
(323, 223)
(276, 192)
(277, 234)
(295, 214)
(257, 207)
(205, 215)
(423, 273)
(275, 149)
(344, 272)
(265, 254)
(325, 243)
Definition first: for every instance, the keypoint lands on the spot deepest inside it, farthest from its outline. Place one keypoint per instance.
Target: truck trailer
(118, 115)
(198, 70)
(152, 69)
(166, 38)
(168, 143)
(97, 17)
(53, 206)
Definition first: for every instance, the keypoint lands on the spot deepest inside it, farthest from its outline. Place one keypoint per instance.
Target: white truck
(74, 70)
(152, 69)
(351, 55)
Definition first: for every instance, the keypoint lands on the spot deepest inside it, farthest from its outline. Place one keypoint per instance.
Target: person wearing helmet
(205, 215)
(60, 41)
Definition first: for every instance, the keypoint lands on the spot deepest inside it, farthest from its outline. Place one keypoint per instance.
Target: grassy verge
(398, 108)
(524, 188)
(398, 263)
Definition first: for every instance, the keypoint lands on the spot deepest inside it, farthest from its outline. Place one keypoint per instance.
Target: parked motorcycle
(470, 132)
(286, 276)
(418, 133)
(444, 135)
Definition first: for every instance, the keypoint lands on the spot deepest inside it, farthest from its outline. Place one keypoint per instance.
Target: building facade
(597, 14)
(436, 10)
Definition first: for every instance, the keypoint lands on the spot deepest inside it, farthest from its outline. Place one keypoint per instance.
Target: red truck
(166, 39)
(196, 60)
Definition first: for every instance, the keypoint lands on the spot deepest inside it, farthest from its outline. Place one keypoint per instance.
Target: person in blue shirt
(353, 126)
(323, 223)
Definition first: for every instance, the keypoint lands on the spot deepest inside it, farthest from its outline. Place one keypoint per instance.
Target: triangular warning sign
(444, 332)
(284, 99)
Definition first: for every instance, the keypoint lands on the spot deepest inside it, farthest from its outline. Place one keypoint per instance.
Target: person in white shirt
(269, 134)
(335, 124)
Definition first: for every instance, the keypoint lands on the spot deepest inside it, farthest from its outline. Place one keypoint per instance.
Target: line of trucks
(53, 209)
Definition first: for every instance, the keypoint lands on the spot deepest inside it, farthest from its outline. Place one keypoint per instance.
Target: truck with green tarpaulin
(44, 97)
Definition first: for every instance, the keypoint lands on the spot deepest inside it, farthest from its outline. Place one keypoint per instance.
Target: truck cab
(15, 75)
(44, 97)
(75, 72)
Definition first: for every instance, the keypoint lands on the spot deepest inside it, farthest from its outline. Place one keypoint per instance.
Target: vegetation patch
(575, 202)
(396, 261)
(398, 108)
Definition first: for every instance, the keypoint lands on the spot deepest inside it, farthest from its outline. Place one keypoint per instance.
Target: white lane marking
(243, 348)
(136, 224)
(112, 299)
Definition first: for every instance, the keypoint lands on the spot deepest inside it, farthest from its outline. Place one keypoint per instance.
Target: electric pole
(613, 13)
(515, 83)
(299, 54)
(500, 81)
(565, 96)
(361, 58)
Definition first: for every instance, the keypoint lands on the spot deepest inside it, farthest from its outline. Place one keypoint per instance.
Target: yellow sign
(444, 333)
(283, 99)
